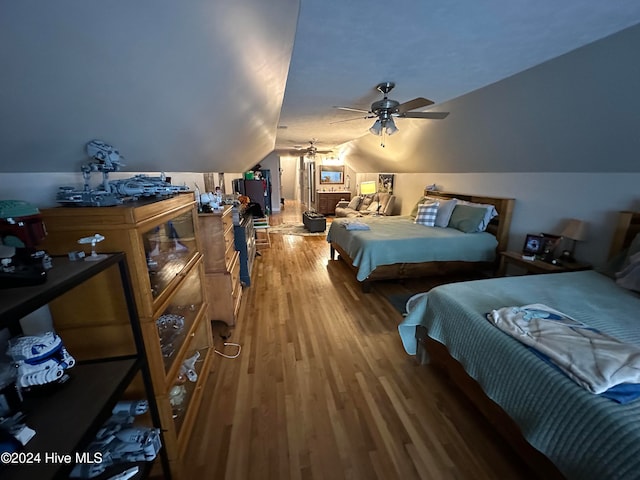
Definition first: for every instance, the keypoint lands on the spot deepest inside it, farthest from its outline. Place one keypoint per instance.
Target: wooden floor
(324, 390)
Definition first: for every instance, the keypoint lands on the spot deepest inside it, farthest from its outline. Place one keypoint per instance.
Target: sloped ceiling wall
(198, 86)
(176, 86)
(579, 112)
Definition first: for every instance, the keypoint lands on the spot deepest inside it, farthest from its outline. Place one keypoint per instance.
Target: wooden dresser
(163, 253)
(326, 201)
(221, 265)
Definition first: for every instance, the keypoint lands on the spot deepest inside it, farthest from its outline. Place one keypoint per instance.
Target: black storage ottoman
(314, 222)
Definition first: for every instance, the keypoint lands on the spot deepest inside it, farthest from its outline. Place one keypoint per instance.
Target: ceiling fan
(386, 109)
(309, 151)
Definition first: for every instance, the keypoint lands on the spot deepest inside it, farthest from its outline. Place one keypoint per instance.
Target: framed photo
(331, 174)
(533, 244)
(385, 183)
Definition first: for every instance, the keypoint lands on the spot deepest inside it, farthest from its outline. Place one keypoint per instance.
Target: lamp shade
(376, 128)
(367, 188)
(390, 127)
(575, 230)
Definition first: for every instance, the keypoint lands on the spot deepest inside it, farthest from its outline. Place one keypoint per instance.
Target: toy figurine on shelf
(40, 359)
(93, 240)
(107, 159)
(21, 231)
(119, 441)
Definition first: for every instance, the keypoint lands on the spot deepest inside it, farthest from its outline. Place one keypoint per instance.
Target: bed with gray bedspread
(586, 436)
(396, 240)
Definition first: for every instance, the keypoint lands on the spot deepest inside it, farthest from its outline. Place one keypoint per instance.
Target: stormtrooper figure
(40, 359)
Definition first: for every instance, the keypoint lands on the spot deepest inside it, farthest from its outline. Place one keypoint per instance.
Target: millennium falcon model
(107, 159)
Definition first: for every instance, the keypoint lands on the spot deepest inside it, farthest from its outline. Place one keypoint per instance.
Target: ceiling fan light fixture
(390, 127)
(376, 128)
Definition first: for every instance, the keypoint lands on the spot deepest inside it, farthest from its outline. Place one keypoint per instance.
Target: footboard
(434, 353)
(399, 271)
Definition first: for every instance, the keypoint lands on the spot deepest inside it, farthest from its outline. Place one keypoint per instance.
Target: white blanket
(592, 359)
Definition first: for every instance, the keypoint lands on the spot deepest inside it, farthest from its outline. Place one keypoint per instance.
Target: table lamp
(576, 231)
(367, 188)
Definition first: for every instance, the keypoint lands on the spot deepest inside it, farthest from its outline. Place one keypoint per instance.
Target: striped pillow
(427, 213)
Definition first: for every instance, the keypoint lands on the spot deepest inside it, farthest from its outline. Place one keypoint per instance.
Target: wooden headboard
(627, 228)
(500, 225)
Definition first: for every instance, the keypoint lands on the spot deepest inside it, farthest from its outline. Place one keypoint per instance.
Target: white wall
(40, 189)
(543, 201)
(290, 189)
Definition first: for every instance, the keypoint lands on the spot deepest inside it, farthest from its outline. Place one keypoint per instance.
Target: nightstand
(537, 266)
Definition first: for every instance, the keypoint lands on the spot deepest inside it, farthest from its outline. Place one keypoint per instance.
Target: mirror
(331, 174)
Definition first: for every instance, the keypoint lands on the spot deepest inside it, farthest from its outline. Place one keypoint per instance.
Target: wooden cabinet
(160, 239)
(245, 241)
(326, 201)
(537, 266)
(68, 416)
(221, 265)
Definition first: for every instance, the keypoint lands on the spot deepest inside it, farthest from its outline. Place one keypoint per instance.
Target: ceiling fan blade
(350, 119)
(351, 109)
(419, 102)
(431, 115)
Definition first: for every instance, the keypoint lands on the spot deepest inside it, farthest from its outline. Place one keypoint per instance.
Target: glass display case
(179, 316)
(160, 240)
(188, 381)
(168, 247)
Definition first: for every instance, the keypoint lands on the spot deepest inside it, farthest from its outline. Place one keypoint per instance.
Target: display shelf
(15, 303)
(163, 252)
(184, 307)
(67, 419)
(66, 416)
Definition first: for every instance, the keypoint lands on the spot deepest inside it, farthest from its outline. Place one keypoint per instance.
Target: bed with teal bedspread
(397, 239)
(586, 436)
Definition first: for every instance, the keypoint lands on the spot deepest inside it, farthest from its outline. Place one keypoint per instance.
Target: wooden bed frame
(499, 227)
(435, 353)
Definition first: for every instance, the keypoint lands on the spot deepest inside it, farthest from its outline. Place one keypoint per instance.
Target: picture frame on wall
(385, 183)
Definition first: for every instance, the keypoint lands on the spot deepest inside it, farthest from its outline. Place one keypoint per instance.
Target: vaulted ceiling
(212, 85)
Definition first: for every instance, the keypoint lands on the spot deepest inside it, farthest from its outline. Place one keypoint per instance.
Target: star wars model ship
(113, 192)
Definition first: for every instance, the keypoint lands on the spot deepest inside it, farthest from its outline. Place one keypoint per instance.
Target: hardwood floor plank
(324, 390)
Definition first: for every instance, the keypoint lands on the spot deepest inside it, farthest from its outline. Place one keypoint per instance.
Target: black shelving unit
(67, 419)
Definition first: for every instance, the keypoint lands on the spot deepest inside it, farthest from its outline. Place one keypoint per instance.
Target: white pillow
(427, 213)
(381, 200)
(491, 212)
(366, 201)
(375, 202)
(629, 277)
(444, 212)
